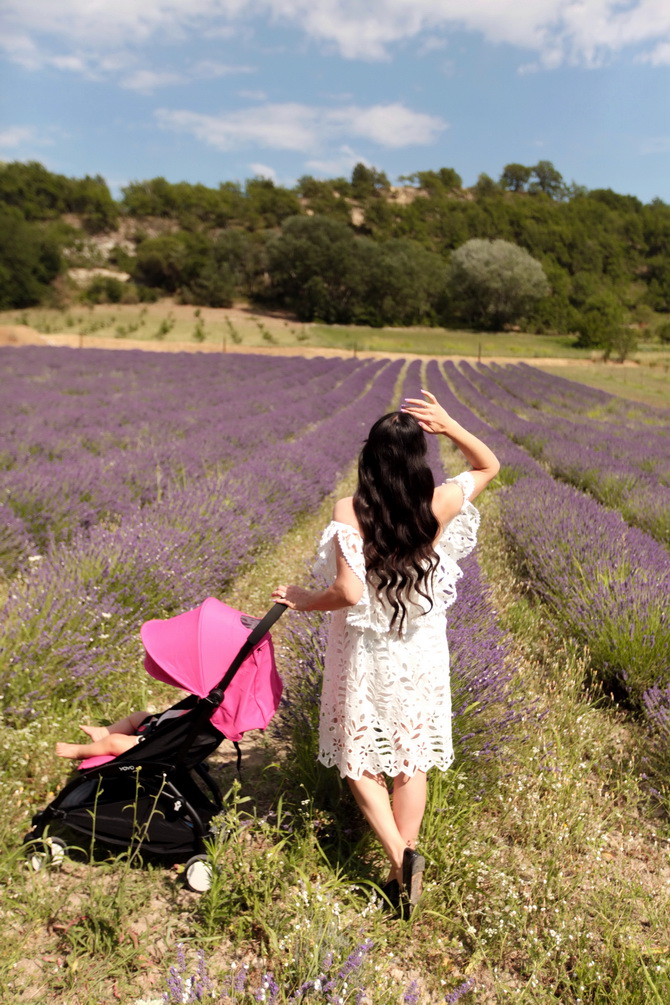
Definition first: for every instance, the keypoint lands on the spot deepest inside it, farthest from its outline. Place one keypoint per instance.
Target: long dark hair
(392, 503)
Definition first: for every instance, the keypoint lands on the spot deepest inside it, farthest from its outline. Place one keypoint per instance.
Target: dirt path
(16, 335)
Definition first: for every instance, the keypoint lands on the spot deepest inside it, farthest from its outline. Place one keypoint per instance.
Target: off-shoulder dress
(386, 698)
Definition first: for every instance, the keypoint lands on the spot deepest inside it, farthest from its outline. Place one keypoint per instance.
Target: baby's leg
(114, 744)
(127, 726)
(95, 732)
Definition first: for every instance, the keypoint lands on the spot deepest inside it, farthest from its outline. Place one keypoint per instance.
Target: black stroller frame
(147, 798)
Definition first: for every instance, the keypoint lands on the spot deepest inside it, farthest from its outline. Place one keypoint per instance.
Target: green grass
(168, 323)
(545, 877)
(444, 342)
(547, 869)
(648, 384)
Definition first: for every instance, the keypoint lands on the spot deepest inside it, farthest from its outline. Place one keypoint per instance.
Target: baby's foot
(95, 732)
(71, 750)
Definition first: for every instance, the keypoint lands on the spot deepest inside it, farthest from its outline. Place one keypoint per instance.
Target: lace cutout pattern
(386, 699)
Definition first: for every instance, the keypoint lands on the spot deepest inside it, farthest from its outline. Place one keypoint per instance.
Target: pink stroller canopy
(194, 650)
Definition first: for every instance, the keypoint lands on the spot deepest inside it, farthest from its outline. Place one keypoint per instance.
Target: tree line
(526, 249)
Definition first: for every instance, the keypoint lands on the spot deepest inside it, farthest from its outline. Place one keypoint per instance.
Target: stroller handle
(255, 636)
(265, 624)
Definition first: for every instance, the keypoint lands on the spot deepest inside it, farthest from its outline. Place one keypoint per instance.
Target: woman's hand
(429, 414)
(293, 596)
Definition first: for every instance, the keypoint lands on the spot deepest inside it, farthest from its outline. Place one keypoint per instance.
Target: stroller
(148, 798)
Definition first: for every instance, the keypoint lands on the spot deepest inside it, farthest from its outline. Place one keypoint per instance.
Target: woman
(392, 549)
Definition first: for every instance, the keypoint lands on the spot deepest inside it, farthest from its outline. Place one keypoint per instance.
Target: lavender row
(123, 446)
(572, 397)
(482, 672)
(68, 621)
(626, 628)
(588, 455)
(617, 441)
(626, 467)
(607, 583)
(613, 429)
(514, 461)
(481, 669)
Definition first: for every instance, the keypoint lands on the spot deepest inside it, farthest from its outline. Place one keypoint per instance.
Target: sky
(224, 90)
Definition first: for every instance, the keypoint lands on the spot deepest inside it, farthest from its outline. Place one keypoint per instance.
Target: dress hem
(332, 762)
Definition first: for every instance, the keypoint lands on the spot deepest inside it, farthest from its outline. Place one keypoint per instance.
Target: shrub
(494, 282)
(104, 290)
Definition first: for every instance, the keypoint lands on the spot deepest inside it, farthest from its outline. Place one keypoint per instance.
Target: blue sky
(219, 90)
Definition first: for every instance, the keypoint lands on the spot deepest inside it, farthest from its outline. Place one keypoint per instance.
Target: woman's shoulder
(447, 502)
(343, 512)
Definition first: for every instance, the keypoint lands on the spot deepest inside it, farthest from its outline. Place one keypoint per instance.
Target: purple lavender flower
(175, 987)
(595, 454)
(268, 990)
(605, 582)
(146, 494)
(411, 995)
(460, 991)
(240, 979)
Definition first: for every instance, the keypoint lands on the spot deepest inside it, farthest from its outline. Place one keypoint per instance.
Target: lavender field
(133, 485)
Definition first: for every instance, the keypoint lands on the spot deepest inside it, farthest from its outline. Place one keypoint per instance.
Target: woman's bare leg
(409, 804)
(372, 796)
(114, 744)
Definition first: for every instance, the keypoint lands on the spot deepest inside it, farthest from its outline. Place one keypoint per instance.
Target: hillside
(349, 251)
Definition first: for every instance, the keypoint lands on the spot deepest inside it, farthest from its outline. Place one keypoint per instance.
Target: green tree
(547, 180)
(171, 261)
(404, 284)
(435, 182)
(493, 283)
(42, 195)
(515, 177)
(325, 197)
(267, 204)
(313, 269)
(367, 182)
(599, 320)
(104, 290)
(486, 187)
(214, 286)
(29, 260)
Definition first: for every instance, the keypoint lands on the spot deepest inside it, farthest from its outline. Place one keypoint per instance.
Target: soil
(17, 335)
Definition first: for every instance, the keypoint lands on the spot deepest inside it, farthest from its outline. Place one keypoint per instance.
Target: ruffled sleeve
(351, 545)
(459, 537)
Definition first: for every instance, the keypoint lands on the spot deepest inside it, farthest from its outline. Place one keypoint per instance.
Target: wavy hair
(393, 505)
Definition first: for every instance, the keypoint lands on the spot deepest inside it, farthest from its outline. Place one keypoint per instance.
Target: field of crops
(133, 485)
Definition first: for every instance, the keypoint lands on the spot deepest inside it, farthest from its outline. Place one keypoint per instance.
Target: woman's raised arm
(433, 418)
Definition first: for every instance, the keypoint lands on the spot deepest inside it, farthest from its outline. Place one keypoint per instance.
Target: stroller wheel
(198, 874)
(50, 851)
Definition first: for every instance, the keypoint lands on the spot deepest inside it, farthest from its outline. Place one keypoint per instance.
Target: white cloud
(339, 165)
(659, 56)
(147, 81)
(16, 136)
(253, 95)
(587, 32)
(277, 127)
(432, 44)
(209, 69)
(305, 128)
(390, 126)
(263, 171)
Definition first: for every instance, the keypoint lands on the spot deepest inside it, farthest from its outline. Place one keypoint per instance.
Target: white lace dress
(386, 699)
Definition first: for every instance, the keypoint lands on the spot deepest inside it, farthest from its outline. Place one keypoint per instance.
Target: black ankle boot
(413, 865)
